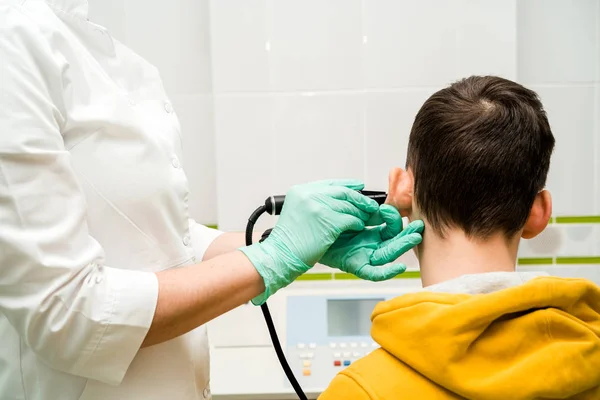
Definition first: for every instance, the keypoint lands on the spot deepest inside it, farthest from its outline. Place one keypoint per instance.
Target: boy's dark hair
(480, 152)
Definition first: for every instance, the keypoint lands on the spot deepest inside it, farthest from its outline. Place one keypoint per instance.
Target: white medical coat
(93, 201)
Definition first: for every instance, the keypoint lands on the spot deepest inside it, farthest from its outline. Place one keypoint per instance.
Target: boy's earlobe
(400, 191)
(539, 216)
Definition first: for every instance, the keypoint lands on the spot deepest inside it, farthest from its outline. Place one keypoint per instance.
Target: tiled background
(276, 92)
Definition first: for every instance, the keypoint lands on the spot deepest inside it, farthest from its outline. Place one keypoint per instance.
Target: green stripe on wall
(344, 277)
(405, 275)
(581, 219)
(315, 277)
(578, 260)
(535, 261)
(409, 275)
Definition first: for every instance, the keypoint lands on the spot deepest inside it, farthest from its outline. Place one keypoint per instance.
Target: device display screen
(350, 317)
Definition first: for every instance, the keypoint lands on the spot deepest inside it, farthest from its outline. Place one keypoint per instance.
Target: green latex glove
(313, 217)
(365, 254)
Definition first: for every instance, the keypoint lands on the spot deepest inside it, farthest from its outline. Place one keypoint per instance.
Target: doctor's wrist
(277, 267)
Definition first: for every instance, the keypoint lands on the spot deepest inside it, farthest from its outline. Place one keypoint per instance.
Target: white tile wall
(590, 272)
(597, 134)
(549, 243)
(389, 119)
(564, 240)
(571, 112)
(597, 41)
(317, 137)
(559, 57)
(175, 38)
(315, 44)
(244, 155)
(580, 240)
(487, 38)
(557, 41)
(410, 43)
(239, 45)
(435, 42)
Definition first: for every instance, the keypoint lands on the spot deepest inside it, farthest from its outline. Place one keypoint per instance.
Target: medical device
(344, 327)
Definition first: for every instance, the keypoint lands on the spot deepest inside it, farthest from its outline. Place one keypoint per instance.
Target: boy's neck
(442, 259)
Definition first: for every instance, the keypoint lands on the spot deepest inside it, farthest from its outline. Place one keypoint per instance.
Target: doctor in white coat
(105, 281)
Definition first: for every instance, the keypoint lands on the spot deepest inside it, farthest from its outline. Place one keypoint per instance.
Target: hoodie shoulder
(344, 386)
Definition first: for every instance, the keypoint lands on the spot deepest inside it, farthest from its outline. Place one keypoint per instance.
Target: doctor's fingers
(380, 273)
(392, 219)
(351, 196)
(337, 223)
(347, 208)
(392, 249)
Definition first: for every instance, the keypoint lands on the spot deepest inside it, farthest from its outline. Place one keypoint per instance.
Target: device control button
(337, 363)
(347, 354)
(333, 345)
(356, 354)
(354, 345)
(346, 363)
(374, 345)
(343, 345)
(303, 355)
(337, 355)
(301, 345)
(310, 355)
(306, 372)
(307, 363)
(312, 345)
(363, 344)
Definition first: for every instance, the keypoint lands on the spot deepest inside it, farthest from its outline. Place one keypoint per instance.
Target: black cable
(267, 314)
(251, 221)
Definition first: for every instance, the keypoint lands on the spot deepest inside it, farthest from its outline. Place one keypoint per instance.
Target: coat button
(206, 393)
(168, 107)
(175, 162)
(186, 240)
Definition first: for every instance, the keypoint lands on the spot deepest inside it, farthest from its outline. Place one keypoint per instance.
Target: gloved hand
(313, 217)
(364, 253)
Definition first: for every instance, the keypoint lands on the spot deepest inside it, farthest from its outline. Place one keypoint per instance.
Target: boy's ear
(539, 216)
(400, 191)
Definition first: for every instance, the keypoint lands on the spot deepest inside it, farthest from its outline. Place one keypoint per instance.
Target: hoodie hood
(537, 340)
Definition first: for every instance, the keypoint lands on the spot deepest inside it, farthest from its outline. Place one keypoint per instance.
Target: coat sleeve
(344, 387)
(202, 237)
(78, 315)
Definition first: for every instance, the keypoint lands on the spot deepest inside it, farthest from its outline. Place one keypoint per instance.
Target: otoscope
(273, 205)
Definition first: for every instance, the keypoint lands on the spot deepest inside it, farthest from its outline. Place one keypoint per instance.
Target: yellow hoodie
(538, 340)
